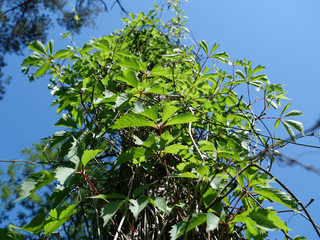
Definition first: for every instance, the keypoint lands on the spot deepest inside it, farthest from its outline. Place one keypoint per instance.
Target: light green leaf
(102, 45)
(175, 148)
(212, 221)
(185, 175)
(263, 218)
(42, 70)
(128, 62)
(33, 60)
(241, 75)
(215, 46)
(38, 47)
(110, 209)
(63, 53)
(134, 153)
(276, 123)
(179, 229)
(132, 120)
(160, 203)
(277, 195)
(182, 118)
(258, 68)
(34, 182)
(168, 111)
(293, 113)
(151, 113)
(138, 205)
(64, 175)
(129, 77)
(57, 217)
(88, 155)
(285, 109)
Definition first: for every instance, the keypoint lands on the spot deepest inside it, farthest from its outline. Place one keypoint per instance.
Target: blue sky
(281, 35)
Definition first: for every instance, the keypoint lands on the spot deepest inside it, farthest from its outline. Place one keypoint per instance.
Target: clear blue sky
(281, 35)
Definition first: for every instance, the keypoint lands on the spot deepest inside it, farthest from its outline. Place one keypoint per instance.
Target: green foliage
(160, 142)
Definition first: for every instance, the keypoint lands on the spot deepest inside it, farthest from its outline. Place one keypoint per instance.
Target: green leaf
(34, 182)
(277, 123)
(258, 68)
(140, 189)
(215, 46)
(293, 113)
(88, 155)
(50, 47)
(168, 111)
(42, 70)
(241, 75)
(295, 124)
(300, 238)
(33, 60)
(175, 148)
(212, 221)
(138, 205)
(38, 47)
(129, 77)
(102, 45)
(289, 130)
(57, 217)
(62, 54)
(134, 153)
(128, 62)
(182, 118)
(185, 175)
(179, 229)
(277, 195)
(285, 109)
(132, 120)
(67, 121)
(151, 113)
(10, 234)
(36, 225)
(263, 218)
(160, 203)
(110, 209)
(64, 175)
(204, 46)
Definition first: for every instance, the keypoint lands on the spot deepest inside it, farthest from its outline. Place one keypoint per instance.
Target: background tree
(168, 144)
(23, 21)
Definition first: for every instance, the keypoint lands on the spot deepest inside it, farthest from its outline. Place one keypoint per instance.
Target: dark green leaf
(109, 210)
(185, 226)
(67, 121)
(10, 234)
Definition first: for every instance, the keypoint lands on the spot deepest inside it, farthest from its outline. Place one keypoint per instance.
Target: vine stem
(295, 198)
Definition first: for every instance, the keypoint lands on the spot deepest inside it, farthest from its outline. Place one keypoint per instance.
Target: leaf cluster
(159, 141)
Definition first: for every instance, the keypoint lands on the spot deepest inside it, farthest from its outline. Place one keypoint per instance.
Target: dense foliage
(22, 21)
(161, 142)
